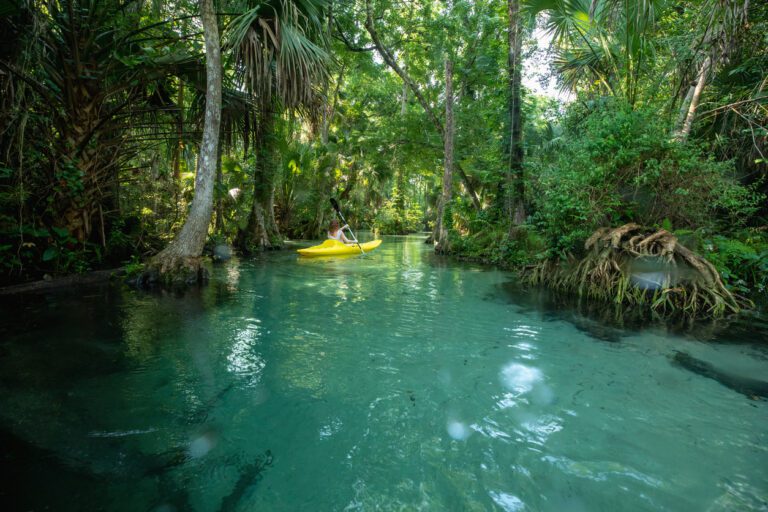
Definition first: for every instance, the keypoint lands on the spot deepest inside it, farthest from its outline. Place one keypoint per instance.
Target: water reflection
(491, 428)
(244, 358)
(507, 502)
(523, 331)
(540, 428)
(600, 470)
(519, 378)
(203, 443)
(458, 430)
(330, 428)
(612, 322)
(233, 274)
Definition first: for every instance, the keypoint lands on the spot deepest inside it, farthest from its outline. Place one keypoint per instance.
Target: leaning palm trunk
(690, 115)
(726, 21)
(181, 260)
(636, 266)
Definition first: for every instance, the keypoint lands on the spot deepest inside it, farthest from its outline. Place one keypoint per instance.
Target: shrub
(616, 165)
(742, 260)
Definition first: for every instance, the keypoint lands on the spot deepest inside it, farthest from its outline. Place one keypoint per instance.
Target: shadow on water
(612, 322)
(751, 388)
(79, 338)
(250, 475)
(25, 465)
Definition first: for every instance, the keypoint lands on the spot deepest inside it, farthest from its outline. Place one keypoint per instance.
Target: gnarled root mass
(174, 271)
(633, 265)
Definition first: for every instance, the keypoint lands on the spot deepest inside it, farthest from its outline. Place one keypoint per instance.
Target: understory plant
(742, 260)
(615, 165)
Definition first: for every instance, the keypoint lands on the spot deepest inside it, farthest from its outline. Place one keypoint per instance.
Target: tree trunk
(261, 232)
(316, 228)
(443, 212)
(701, 80)
(403, 99)
(329, 106)
(683, 112)
(218, 224)
(181, 260)
(515, 178)
(178, 151)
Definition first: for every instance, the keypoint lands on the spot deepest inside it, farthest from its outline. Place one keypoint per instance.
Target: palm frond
(280, 48)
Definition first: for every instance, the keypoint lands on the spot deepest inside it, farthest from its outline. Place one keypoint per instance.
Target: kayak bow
(336, 248)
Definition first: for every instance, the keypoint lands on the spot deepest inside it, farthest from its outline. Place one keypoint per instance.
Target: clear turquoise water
(398, 381)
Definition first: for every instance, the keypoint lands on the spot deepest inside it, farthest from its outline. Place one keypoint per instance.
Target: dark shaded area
(27, 468)
(93, 308)
(751, 388)
(43, 286)
(612, 322)
(166, 461)
(201, 415)
(54, 339)
(87, 340)
(249, 477)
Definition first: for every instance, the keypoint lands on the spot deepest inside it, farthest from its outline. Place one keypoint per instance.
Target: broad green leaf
(50, 253)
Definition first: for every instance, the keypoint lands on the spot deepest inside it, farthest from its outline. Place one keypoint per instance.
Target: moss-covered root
(174, 271)
(688, 284)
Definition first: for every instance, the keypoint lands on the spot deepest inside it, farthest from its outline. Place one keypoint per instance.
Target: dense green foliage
(101, 111)
(615, 165)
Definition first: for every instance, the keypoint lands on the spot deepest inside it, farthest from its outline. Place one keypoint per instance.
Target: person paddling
(337, 233)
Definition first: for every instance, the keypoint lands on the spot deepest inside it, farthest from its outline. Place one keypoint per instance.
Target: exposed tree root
(173, 270)
(633, 265)
(261, 234)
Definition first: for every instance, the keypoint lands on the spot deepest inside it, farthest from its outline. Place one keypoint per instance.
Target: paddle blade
(335, 205)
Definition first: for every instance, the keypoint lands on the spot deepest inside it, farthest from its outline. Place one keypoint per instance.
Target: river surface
(395, 381)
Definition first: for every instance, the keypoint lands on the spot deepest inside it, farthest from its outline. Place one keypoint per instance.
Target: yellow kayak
(335, 248)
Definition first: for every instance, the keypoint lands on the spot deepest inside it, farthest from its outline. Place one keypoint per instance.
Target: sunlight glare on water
(395, 381)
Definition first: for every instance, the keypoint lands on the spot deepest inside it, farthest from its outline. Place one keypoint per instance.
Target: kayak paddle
(338, 211)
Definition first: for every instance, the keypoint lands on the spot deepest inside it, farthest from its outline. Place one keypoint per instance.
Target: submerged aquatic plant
(633, 265)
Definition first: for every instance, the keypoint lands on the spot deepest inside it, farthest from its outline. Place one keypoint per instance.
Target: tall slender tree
(443, 211)
(180, 260)
(724, 19)
(515, 177)
(280, 48)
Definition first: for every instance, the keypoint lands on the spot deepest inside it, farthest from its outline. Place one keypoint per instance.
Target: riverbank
(44, 285)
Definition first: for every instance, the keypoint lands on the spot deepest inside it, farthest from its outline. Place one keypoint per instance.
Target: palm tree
(603, 45)
(723, 19)
(75, 80)
(442, 241)
(281, 57)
